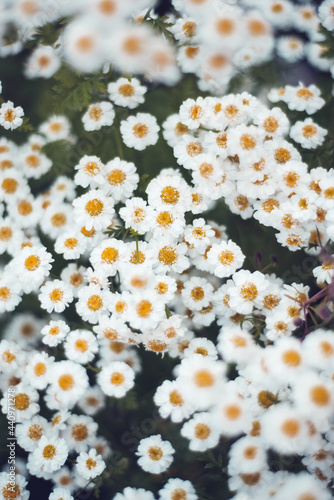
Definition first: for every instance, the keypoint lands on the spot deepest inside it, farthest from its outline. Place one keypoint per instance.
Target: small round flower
(94, 210)
(90, 172)
(50, 454)
(81, 346)
(170, 256)
(198, 234)
(56, 128)
(10, 117)
(68, 382)
(38, 369)
(155, 455)
(71, 244)
(108, 255)
(116, 379)
(225, 258)
(32, 265)
(121, 179)
(308, 133)
(193, 112)
(140, 131)
(201, 431)
(24, 402)
(30, 432)
(42, 63)
(54, 332)
(172, 402)
(8, 489)
(177, 488)
(137, 215)
(92, 303)
(60, 494)
(197, 293)
(90, 465)
(98, 115)
(55, 296)
(302, 98)
(134, 493)
(126, 93)
(248, 290)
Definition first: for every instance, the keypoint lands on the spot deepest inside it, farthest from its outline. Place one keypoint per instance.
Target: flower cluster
(108, 269)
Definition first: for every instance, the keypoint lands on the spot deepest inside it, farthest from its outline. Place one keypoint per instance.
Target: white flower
(7, 487)
(37, 370)
(68, 382)
(50, 454)
(172, 402)
(137, 215)
(139, 131)
(134, 494)
(94, 210)
(56, 128)
(121, 179)
(10, 117)
(126, 93)
(55, 296)
(98, 115)
(248, 291)
(308, 133)
(174, 487)
(42, 63)
(302, 98)
(155, 455)
(90, 465)
(116, 379)
(54, 332)
(201, 431)
(81, 346)
(90, 172)
(225, 258)
(92, 303)
(60, 494)
(32, 265)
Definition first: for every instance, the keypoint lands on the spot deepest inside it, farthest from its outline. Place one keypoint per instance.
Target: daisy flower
(175, 487)
(94, 210)
(32, 265)
(201, 431)
(56, 128)
(198, 234)
(169, 191)
(10, 294)
(169, 256)
(55, 296)
(38, 369)
(109, 254)
(50, 454)
(92, 401)
(197, 293)
(313, 396)
(98, 115)
(71, 244)
(170, 399)
(137, 215)
(146, 310)
(68, 382)
(80, 432)
(60, 494)
(297, 486)
(90, 172)
(247, 291)
(10, 117)
(155, 455)
(225, 258)
(134, 494)
(92, 303)
(42, 63)
(308, 133)
(81, 346)
(303, 98)
(203, 378)
(140, 131)
(90, 465)
(247, 456)
(127, 93)
(30, 432)
(54, 332)
(24, 402)
(193, 113)
(203, 347)
(82, 43)
(8, 489)
(122, 179)
(116, 379)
